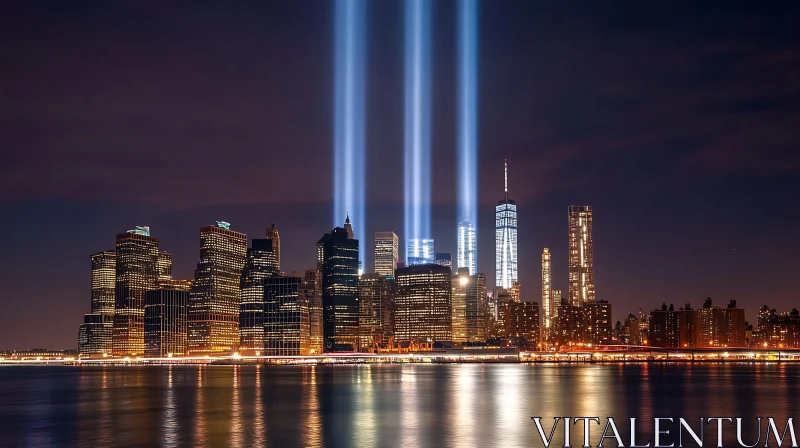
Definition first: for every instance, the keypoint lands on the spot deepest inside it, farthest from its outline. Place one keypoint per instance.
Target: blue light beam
(417, 121)
(467, 176)
(349, 115)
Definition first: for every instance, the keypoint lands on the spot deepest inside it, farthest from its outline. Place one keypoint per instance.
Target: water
(466, 405)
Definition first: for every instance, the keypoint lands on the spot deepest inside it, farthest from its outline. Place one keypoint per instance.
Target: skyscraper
(272, 234)
(386, 253)
(338, 260)
(420, 251)
(312, 289)
(423, 304)
(136, 273)
(467, 254)
(214, 300)
(581, 253)
(165, 316)
(469, 306)
(164, 266)
(505, 239)
(261, 263)
(286, 319)
(376, 309)
(548, 307)
(104, 274)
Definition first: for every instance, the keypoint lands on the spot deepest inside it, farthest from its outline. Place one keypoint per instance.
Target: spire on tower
(348, 227)
(505, 177)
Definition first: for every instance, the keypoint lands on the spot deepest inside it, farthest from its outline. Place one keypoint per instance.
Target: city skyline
(689, 134)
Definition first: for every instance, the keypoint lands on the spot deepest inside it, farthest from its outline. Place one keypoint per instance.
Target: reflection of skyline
(408, 405)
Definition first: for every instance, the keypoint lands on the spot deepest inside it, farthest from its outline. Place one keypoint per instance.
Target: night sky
(678, 122)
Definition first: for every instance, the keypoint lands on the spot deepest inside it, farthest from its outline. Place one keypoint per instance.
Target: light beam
(467, 180)
(417, 130)
(349, 115)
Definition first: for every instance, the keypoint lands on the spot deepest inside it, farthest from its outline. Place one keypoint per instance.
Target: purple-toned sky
(678, 122)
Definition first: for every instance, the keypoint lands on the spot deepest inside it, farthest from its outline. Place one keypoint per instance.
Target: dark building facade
(261, 263)
(94, 335)
(522, 322)
(286, 317)
(423, 304)
(338, 262)
(165, 321)
(136, 273)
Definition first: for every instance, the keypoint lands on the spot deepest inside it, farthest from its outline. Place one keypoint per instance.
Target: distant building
(287, 328)
(420, 251)
(548, 307)
(423, 301)
(587, 324)
(338, 261)
(665, 327)
(104, 275)
(581, 255)
(214, 300)
(470, 307)
(467, 253)
(273, 235)
(164, 266)
(505, 218)
(165, 321)
(781, 330)
(94, 335)
(136, 273)
(312, 289)
(386, 253)
(376, 310)
(261, 263)
(709, 326)
(444, 259)
(522, 322)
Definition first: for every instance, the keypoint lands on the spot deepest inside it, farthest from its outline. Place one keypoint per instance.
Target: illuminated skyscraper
(547, 296)
(423, 301)
(164, 266)
(338, 259)
(94, 335)
(467, 254)
(272, 234)
(261, 263)
(376, 309)
(104, 274)
(469, 306)
(505, 239)
(165, 315)
(420, 251)
(286, 320)
(581, 253)
(214, 300)
(312, 289)
(386, 252)
(136, 273)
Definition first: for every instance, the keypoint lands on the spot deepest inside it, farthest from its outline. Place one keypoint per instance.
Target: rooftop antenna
(505, 177)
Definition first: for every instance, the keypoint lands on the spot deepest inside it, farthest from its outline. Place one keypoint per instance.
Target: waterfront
(370, 405)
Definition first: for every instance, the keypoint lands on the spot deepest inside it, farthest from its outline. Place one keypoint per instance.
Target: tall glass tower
(547, 298)
(467, 255)
(420, 251)
(581, 255)
(505, 233)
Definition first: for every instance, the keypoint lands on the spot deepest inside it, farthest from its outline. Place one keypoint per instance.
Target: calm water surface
(467, 405)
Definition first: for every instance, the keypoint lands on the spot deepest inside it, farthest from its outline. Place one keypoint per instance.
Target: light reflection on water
(380, 405)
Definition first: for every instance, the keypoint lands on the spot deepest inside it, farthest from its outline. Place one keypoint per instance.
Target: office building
(423, 304)
(548, 310)
(665, 327)
(420, 251)
(581, 255)
(261, 263)
(287, 323)
(164, 266)
(338, 260)
(505, 239)
(387, 248)
(470, 307)
(165, 320)
(136, 273)
(444, 259)
(467, 252)
(376, 310)
(272, 235)
(104, 275)
(214, 300)
(312, 289)
(95, 335)
(522, 323)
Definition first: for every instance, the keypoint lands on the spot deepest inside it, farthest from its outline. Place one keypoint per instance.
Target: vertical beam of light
(349, 115)
(467, 176)
(417, 123)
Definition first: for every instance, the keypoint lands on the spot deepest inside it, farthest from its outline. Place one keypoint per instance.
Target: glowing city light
(467, 183)
(349, 113)
(417, 126)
